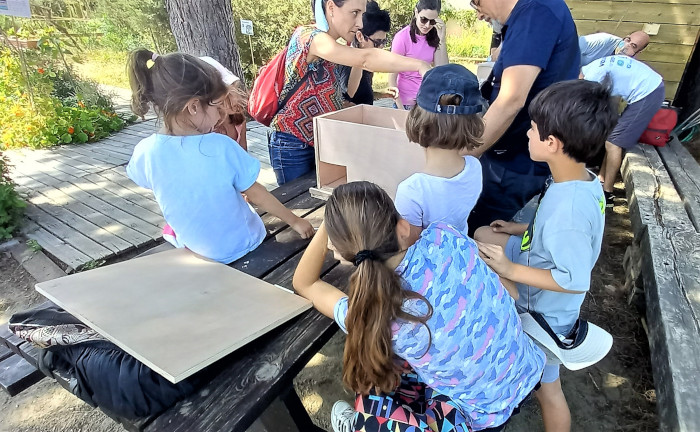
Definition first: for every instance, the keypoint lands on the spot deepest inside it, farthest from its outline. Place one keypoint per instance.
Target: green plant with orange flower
(42, 102)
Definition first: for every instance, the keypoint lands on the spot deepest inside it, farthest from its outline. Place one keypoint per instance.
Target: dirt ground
(694, 148)
(617, 394)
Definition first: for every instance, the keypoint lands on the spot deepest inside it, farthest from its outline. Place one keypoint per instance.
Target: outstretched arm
(259, 196)
(371, 59)
(307, 277)
(515, 86)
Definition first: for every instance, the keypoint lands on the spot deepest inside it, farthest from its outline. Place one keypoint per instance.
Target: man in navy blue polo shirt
(540, 47)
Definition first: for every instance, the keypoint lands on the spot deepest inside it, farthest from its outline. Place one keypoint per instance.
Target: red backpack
(658, 132)
(264, 101)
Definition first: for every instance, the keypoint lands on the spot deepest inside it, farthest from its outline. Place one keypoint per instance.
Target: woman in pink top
(423, 39)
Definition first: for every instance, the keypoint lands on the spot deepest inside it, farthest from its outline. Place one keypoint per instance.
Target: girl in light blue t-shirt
(429, 306)
(198, 177)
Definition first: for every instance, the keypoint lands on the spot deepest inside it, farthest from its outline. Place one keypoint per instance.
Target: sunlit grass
(105, 67)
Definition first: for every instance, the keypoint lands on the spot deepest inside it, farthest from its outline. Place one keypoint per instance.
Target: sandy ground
(615, 395)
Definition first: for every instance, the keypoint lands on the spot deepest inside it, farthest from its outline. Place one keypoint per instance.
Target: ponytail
(168, 82)
(361, 220)
(140, 80)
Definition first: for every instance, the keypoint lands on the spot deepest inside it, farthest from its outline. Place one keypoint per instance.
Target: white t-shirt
(597, 45)
(197, 181)
(423, 199)
(631, 79)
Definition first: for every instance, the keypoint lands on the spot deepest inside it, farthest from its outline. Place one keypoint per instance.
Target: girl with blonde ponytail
(426, 319)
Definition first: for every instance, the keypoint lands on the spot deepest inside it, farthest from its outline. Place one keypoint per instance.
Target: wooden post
(25, 68)
(252, 57)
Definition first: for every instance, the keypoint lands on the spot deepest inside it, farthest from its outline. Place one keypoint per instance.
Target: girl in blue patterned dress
(434, 342)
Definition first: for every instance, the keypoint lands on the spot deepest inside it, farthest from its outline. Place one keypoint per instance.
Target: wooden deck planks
(78, 217)
(83, 205)
(67, 234)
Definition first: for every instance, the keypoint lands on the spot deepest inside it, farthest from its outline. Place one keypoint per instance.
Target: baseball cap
(589, 343)
(450, 79)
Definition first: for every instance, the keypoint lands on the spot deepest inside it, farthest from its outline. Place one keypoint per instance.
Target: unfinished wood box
(364, 142)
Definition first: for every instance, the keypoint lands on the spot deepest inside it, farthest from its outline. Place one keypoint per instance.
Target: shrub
(48, 104)
(11, 206)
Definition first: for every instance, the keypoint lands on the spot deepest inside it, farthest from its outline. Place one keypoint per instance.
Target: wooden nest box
(364, 142)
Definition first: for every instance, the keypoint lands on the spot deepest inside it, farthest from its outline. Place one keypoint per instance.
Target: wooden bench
(663, 190)
(242, 385)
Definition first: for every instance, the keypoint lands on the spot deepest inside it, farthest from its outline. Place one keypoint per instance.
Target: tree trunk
(205, 28)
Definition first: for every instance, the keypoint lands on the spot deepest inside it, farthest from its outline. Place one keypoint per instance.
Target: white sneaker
(342, 417)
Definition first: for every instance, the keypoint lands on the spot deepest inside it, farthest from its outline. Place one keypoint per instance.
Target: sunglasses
(424, 20)
(377, 42)
(474, 4)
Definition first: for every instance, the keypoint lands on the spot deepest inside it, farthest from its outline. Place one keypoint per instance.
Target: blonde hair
(446, 131)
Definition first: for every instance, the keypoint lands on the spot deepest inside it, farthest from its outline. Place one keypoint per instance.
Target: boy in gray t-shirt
(551, 258)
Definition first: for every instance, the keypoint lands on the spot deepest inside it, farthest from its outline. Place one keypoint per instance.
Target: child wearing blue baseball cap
(446, 120)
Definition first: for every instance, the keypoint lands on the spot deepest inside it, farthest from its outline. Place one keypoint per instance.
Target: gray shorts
(635, 119)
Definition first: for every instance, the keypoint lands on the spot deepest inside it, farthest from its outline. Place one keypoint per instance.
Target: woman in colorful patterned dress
(425, 315)
(313, 82)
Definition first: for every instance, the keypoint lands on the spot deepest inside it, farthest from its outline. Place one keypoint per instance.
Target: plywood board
(365, 142)
(174, 311)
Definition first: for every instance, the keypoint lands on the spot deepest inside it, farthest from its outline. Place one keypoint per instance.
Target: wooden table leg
(298, 412)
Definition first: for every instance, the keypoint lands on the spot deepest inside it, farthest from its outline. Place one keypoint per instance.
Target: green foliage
(274, 22)
(92, 265)
(401, 12)
(11, 205)
(33, 245)
(131, 24)
(47, 104)
(474, 38)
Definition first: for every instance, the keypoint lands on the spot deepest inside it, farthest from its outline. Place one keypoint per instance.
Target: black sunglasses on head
(377, 42)
(424, 20)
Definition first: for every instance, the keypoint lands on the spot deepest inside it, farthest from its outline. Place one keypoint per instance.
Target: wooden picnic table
(242, 385)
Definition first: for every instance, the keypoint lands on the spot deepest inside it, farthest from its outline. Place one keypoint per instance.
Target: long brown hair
(432, 37)
(360, 216)
(446, 131)
(170, 81)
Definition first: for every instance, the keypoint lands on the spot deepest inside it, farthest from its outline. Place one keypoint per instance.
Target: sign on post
(247, 27)
(18, 8)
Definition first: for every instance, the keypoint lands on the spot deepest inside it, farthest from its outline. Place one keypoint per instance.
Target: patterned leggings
(413, 407)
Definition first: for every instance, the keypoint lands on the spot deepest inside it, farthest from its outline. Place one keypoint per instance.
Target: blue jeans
(290, 157)
(504, 192)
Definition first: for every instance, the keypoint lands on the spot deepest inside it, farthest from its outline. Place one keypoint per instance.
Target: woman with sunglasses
(376, 23)
(423, 39)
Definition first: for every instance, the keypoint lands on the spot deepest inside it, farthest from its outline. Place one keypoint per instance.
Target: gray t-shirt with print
(565, 238)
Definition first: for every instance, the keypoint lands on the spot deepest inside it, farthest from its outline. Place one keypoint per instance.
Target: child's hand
(501, 226)
(494, 256)
(303, 227)
(392, 92)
